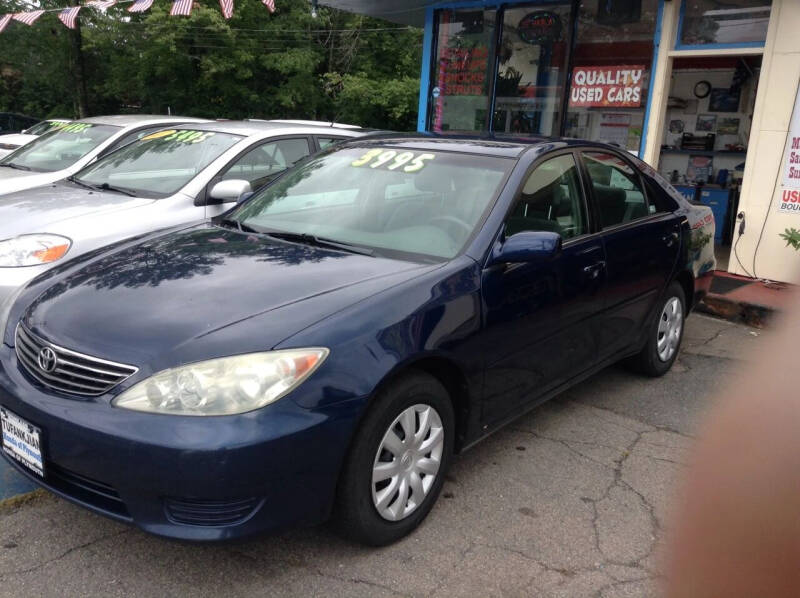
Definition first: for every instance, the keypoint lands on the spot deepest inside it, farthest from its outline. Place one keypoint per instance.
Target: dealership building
(703, 90)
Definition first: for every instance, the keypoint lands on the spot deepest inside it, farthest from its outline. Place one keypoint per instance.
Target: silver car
(58, 154)
(13, 141)
(173, 176)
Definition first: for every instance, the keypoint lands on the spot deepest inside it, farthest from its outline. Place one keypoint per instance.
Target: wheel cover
(407, 462)
(670, 325)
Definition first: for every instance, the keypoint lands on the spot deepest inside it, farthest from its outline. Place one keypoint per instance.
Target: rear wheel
(396, 465)
(664, 335)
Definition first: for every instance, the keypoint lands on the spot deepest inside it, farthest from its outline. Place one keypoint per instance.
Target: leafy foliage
(339, 66)
(792, 237)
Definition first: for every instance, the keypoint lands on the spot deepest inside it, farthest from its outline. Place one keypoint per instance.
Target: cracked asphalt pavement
(570, 500)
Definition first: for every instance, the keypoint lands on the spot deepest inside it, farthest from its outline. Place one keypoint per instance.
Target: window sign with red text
(607, 86)
(790, 194)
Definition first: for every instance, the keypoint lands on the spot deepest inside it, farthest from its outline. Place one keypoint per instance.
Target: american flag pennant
(227, 8)
(68, 16)
(140, 6)
(4, 21)
(101, 5)
(270, 4)
(182, 8)
(29, 18)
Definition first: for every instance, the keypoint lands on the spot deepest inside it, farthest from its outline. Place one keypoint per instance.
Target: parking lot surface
(570, 500)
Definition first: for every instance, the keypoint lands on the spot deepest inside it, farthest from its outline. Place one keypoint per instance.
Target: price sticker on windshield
(393, 160)
(75, 128)
(181, 136)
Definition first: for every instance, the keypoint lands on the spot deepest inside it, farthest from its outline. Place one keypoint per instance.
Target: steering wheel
(453, 220)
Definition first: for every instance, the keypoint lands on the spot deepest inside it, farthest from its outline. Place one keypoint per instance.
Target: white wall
(780, 75)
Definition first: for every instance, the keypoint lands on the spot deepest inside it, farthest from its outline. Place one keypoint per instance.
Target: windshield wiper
(72, 179)
(107, 187)
(232, 222)
(320, 242)
(15, 166)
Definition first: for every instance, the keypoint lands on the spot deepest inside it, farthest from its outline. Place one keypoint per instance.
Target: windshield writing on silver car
(158, 164)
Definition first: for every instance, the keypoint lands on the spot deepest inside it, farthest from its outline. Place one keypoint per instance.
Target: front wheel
(396, 465)
(664, 334)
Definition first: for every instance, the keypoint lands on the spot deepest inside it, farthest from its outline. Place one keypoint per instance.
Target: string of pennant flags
(69, 15)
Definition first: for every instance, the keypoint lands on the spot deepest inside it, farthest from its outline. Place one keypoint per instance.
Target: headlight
(32, 250)
(223, 386)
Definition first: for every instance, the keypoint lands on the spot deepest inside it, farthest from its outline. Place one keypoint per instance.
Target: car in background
(329, 344)
(14, 123)
(63, 152)
(168, 177)
(12, 141)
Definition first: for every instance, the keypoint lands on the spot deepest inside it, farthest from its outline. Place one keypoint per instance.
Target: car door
(641, 247)
(260, 164)
(539, 317)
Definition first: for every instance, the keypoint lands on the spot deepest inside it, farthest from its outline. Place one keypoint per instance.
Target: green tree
(259, 65)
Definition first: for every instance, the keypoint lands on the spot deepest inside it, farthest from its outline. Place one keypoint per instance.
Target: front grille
(92, 492)
(69, 372)
(210, 513)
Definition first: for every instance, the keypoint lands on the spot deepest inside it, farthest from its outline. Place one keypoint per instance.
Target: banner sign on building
(790, 194)
(607, 86)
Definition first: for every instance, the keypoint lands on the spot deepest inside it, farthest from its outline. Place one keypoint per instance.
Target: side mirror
(232, 190)
(528, 246)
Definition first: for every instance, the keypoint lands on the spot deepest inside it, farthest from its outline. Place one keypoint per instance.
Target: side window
(551, 200)
(261, 163)
(617, 189)
(328, 141)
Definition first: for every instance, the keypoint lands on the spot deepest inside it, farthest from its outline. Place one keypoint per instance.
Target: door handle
(670, 239)
(593, 271)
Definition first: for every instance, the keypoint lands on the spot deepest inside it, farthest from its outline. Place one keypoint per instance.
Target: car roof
(508, 146)
(257, 127)
(127, 120)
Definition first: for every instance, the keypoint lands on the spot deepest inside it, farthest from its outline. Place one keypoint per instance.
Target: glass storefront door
(463, 70)
(532, 67)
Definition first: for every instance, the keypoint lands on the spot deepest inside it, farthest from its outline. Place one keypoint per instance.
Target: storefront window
(724, 22)
(463, 70)
(532, 69)
(611, 71)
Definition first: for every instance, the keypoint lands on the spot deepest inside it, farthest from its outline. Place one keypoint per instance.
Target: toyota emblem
(48, 360)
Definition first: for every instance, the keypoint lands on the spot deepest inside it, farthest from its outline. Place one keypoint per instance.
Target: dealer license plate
(22, 441)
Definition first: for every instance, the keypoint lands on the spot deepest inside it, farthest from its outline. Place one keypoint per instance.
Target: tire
(656, 359)
(359, 512)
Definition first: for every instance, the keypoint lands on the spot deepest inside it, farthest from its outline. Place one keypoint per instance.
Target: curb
(752, 314)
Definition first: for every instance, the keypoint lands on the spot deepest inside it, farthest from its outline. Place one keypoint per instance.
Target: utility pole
(78, 69)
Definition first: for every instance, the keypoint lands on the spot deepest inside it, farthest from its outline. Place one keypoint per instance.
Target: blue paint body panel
(510, 335)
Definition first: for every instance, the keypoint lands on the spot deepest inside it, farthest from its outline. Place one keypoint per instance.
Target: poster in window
(706, 122)
(728, 126)
(724, 100)
(607, 86)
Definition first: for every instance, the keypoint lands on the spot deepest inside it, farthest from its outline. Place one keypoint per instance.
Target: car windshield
(390, 200)
(158, 164)
(46, 126)
(59, 149)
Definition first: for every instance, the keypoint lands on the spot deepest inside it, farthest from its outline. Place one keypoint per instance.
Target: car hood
(42, 209)
(203, 292)
(12, 180)
(16, 138)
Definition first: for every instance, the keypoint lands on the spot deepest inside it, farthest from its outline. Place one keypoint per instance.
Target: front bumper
(192, 478)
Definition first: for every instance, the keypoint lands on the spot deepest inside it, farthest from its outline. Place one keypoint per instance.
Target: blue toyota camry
(327, 346)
